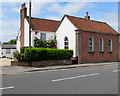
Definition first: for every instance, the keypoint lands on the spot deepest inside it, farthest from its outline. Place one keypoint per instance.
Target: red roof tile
(43, 24)
(91, 25)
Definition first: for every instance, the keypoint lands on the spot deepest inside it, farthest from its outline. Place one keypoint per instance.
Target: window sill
(109, 51)
(101, 51)
(90, 51)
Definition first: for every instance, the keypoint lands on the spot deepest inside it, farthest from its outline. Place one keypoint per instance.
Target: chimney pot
(87, 16)
(23, 5)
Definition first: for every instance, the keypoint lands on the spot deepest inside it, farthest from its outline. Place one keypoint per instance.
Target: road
(82, 80)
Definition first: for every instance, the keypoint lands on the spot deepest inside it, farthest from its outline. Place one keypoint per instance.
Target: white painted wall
(26, 33)
(8, 55)
(66, 29)
(18, 42)
(0, 50)
(48, 35)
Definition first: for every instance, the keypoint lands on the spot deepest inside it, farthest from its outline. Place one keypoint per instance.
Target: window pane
(43, 36)
(66, 43)
(7, 51)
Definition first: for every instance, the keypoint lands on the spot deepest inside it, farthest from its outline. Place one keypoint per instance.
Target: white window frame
(7, 51)
(66, 43)
(101, 45)
(91, 47)
(43, 36)
(110, 45)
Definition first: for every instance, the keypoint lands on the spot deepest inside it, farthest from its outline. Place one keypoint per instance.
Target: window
(91, 45)
(66, 43)
(101, 45)
(7, 51)
(43, 36)
(110, 45)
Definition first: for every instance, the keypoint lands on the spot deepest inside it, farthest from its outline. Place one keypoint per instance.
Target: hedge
(41, 54)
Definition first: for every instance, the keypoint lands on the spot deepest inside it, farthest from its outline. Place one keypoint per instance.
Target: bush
(22, 49)
(19, 56)
(40, 54)
(3, 56)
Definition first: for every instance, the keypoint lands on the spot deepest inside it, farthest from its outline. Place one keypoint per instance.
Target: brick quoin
(96, 56)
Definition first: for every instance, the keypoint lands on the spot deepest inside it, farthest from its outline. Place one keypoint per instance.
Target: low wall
(41, 63)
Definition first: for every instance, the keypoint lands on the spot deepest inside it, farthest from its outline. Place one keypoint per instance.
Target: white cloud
(9, 29)
(37, 8)
(112, 19)
(69, 8)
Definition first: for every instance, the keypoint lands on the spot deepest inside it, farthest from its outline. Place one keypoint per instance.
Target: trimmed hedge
(40, 54)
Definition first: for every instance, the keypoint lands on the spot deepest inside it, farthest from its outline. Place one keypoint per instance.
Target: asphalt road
(82, 80)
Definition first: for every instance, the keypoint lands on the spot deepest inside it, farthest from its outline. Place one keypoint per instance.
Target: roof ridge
(84, 18)
(44, 19)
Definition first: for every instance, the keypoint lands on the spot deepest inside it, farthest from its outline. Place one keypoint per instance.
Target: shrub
(40, 54)
(3, 56)
(22, 49)
(19, 56)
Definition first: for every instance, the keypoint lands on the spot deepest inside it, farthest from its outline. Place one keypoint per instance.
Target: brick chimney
(23, 14)
(87, 16)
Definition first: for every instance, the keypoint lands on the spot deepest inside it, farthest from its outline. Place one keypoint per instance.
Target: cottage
(90, 40)
(40, 28)
(7, 50)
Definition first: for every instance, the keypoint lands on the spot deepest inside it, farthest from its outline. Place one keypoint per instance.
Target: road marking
(116, 70)
(74, 77)
(11, 87)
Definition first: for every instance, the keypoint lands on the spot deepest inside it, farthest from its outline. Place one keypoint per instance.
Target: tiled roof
(43, 24)
(8, 46)
(91, 25)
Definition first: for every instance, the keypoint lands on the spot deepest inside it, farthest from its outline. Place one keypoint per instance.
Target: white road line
(11, 87)
(74, 77)
(116, 70)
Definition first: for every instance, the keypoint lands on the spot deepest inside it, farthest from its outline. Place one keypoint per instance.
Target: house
(40, 28)
(91, 41)
(7, 50)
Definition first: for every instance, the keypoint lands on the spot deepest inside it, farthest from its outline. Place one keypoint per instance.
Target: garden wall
(41, 63)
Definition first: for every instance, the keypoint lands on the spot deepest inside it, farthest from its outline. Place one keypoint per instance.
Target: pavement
(8, 69)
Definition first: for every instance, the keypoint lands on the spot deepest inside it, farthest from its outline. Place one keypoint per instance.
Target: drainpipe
(78, 44)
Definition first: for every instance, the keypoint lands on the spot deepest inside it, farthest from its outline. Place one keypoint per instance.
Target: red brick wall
(97, 56)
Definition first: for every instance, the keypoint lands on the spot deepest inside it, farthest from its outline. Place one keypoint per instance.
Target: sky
(10, 13)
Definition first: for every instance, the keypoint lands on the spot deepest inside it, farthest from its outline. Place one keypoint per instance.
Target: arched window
(66, 43)
(91, 45)
(110, 45)
(101, 45)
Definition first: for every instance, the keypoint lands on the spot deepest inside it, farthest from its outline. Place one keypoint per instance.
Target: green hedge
(40, 54)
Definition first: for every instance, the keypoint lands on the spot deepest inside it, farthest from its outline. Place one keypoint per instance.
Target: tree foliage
(12, 41)
(51, 43)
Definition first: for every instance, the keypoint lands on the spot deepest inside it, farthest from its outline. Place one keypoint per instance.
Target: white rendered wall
(11, 52)
(66, 29)
(48, 35)
(18, 42)
(26, 33)
(0, 50)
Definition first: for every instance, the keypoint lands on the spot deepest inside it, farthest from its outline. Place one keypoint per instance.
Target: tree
(12, 41)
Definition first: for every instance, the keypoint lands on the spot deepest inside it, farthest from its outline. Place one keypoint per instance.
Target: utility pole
(30, 62)
(30, 23)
